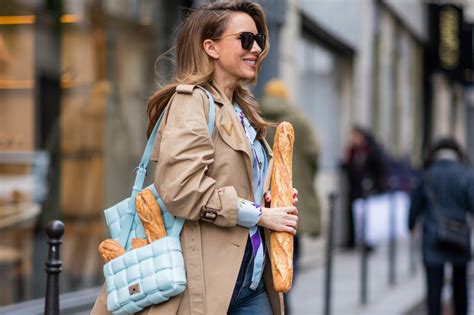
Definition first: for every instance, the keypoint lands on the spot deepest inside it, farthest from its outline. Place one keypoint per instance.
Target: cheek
(231, 60)
(232, 53)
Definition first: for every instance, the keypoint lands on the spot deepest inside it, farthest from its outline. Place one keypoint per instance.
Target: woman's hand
(283, 219)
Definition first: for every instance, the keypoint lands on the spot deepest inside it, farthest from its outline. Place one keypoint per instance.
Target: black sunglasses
(247, 39)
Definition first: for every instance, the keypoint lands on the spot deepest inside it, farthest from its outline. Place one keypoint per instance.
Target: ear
(210, 48)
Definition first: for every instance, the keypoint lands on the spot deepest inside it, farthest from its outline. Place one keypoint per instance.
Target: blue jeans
(246, 301)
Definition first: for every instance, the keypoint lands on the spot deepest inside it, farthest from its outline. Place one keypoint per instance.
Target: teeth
(250, 62)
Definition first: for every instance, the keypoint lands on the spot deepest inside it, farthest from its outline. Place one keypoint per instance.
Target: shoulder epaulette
(185, 88)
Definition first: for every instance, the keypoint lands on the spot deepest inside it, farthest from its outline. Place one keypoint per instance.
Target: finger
(295, 200)
(295, 192)
(291, 223)
(292, 210)
(292, 217)
(289, 229)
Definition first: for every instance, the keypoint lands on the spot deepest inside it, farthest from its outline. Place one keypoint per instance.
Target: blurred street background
(75, 76)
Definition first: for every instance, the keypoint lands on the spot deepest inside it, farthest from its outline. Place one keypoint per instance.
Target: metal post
(412, 256)
(55, 230)
(413, 243)
(392, 245)
(366, 187)
(329, 251)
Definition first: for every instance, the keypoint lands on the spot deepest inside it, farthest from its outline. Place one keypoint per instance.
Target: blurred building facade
(75, 76)
(449, 75)
(357, 62)
(373, 63)
(74, 81)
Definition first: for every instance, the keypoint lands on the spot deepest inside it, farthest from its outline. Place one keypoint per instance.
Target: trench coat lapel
(231, 130)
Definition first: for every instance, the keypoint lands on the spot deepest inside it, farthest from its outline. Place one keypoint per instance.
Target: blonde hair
(194, 66)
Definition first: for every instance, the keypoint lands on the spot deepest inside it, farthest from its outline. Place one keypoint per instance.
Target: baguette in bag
(149, 212)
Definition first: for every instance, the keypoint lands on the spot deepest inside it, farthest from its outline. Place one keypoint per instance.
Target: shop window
(107, 54)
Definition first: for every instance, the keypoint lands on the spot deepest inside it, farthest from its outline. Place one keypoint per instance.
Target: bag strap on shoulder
(434, 201)
(188, 89)
(142, 167)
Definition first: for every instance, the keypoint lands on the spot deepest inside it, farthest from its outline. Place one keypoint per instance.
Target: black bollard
(367, 188)
(392, 243)
(412, 256)
(55, 230)
(412, 242)
(329, 250)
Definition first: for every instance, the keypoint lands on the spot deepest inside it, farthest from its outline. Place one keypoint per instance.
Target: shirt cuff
(248, 213)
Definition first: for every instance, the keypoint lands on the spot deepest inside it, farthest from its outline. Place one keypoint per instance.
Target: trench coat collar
(221, 99)
(219, 96)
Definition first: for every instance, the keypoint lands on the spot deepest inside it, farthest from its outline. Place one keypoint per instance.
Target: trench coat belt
(196, 290)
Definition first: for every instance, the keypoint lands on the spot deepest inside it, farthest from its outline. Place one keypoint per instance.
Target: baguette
(281, 243)
(110, 249)
(138, 242)
(149, 212)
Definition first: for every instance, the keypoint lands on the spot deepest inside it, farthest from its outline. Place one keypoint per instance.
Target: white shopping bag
(379, 221)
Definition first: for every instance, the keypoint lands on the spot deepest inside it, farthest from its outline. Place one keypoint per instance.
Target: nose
(255, 48)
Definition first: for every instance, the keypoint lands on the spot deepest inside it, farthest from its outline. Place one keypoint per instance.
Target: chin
(248, 76)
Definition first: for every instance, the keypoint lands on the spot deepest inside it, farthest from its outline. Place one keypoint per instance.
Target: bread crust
(110, 249)
(149, 212)
(138, 242)
(281, 243)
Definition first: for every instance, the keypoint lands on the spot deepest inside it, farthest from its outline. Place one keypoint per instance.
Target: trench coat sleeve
(185, 155)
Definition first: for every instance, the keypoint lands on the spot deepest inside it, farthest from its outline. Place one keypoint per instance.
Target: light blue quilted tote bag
(154, 273)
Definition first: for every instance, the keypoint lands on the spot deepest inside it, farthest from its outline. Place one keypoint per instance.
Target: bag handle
(141, 173)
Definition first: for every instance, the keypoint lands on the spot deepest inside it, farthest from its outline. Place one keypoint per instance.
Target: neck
(226, 85)
(446, 154)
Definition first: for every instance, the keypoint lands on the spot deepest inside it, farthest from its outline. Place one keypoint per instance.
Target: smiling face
(232, 62)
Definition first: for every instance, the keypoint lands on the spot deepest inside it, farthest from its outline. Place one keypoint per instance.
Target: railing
(364, 249)
(329, 255)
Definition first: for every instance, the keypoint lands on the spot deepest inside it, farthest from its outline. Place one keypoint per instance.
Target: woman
(446, 188)
(363, 163)
(217, 182)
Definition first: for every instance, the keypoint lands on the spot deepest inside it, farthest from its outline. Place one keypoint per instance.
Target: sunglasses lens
(247, 40)
(260, 39)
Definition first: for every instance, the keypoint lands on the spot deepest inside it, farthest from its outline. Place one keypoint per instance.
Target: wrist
(262, 219)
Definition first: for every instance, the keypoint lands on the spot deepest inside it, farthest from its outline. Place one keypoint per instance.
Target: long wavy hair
(194, 66)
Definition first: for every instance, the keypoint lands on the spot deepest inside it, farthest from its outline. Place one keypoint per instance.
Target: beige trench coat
(203, 180)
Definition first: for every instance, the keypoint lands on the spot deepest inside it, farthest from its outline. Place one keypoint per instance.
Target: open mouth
(250, 62)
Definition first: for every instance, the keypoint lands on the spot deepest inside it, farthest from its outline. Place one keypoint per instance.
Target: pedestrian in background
(445, 190)
(276, 107)
(364, 164)
(216, 182)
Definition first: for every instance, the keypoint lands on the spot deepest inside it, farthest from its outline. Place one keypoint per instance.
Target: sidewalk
(307, 295)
